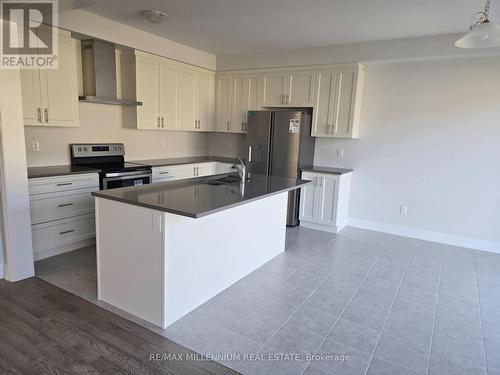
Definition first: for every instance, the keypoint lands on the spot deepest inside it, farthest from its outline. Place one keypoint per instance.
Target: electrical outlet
(35, 146)
(340, 153)
(403, 210)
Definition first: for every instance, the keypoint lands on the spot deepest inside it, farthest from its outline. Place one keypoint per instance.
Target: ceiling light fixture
(483, 33)
(154, 16)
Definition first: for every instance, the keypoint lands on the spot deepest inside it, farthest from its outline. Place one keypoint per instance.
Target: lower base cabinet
(62, 213)
(184, 171)
(324, 204)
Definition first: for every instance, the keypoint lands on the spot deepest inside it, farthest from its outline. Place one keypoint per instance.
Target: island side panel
(130, 259)
(204, 256)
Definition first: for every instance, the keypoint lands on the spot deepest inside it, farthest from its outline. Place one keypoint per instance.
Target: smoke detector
(154, 16)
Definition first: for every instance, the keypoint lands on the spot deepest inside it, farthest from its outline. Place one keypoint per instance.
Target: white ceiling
(246, 26)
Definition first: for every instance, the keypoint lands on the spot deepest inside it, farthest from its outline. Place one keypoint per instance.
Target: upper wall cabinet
(50, 96)
(337, 102)
(288, 89)
(173, 95)
(235, 96)
(156, 84)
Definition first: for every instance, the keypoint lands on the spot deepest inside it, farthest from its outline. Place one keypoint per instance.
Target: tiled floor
(381, 304)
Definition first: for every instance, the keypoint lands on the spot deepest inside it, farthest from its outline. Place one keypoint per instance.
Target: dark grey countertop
(58, 170)
(320, 169)
(195, 198)
(186, 160)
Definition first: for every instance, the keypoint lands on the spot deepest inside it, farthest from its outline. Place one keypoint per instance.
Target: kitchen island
(164, 249)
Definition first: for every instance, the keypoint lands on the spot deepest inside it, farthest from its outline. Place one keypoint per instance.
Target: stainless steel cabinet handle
(46, 112)
(65, 205)
(249, 154)
(162, 122)
(39, 114)
(64, 184)
(165, 172)
(158, 121)
(67, 231)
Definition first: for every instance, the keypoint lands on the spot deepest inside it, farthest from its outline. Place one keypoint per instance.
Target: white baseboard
(324, 228)
(63, 249)
(421, 234)
(1, 271)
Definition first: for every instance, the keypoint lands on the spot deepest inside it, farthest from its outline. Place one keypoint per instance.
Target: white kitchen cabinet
(172, 173)
(337, 103)
(288, 89)
(245, 97)
(204, 101)
(324, 204)
(148, 90)
(184, 171)
(235, 96)
(300, 89)
(196, 100)
(223, 96)
(274, 88)
(62, 210)
(187, 95)
(157, 83)
(169, 81)
(221, 168)
(50, 96)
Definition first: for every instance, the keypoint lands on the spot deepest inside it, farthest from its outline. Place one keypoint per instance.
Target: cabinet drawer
(63, 183)
(47, 207)
(63, 232)
(173, 172)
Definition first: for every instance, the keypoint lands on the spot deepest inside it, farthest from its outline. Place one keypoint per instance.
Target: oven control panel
(81, 150)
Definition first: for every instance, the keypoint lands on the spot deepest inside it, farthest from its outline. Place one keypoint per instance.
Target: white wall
(399, 49)
(99, 27)
(102, 123)
(14, 180)
(227, 144)
(429, 139)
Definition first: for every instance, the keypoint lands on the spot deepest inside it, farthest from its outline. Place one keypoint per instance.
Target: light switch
(35, 146)
(157, 222)
(340, 153)
(403, 210)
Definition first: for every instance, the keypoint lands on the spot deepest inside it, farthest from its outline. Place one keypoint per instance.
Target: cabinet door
(254, 94)
(148, 92)
(204, 101)
(223, 103)
(59, 88)
(240, 98)
(205, 169)
(187, 99)
(333, 103)
(343, 116)
(274, 89)
(300, 89)
(326, 96)
(308, 199)
(31, 94)
(327, 199)
(169, 81)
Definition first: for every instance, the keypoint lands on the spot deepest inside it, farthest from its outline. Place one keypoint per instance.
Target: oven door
(124, 179)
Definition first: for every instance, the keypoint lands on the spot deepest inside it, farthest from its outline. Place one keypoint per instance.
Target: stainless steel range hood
(99, 74)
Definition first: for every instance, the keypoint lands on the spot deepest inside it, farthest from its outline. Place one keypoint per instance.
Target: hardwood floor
(46, 330)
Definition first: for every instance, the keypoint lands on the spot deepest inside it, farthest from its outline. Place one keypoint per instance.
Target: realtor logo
(29, 34)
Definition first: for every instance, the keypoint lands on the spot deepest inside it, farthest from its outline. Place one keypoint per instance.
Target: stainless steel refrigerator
(280, 143)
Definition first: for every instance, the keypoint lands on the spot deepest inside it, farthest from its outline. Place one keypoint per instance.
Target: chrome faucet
(241, 169)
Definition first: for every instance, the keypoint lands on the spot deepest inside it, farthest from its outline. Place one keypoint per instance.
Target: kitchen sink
(223, 181)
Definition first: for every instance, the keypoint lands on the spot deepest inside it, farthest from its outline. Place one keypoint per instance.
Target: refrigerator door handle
(249, 154)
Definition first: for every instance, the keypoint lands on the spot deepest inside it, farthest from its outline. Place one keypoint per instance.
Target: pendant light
(483, 33)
